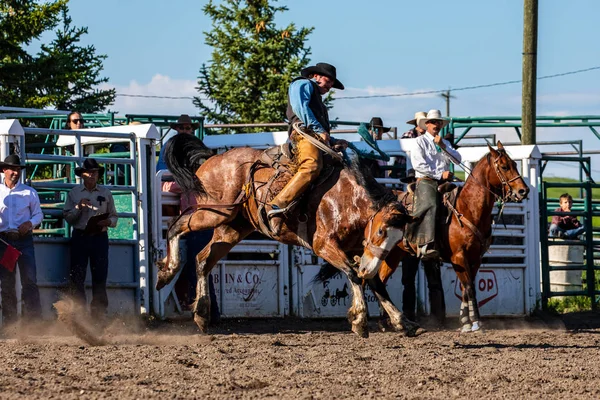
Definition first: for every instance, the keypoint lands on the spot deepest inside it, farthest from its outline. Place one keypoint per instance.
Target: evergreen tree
(253, 62)
(62, 75)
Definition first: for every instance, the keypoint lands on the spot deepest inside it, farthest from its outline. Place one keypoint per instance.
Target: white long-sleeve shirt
(18, 205)
(428, 161)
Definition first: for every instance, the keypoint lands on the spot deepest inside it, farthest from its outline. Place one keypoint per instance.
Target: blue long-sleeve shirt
(300, 92)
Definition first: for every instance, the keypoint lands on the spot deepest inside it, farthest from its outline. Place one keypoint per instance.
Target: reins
(501, 200)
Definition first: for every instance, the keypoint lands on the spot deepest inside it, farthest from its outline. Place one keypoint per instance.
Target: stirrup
(276, 211)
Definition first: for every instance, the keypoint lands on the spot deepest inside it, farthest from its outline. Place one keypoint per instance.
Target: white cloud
(159, 85)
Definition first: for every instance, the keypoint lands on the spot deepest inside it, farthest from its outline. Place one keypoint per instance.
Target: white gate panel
(499, 291)
(247, 290)
(332, 298)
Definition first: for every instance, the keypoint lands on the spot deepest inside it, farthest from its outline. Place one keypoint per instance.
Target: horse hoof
(466, 328)
(361, 330)
(412, 329)
(201, 322)
(162, 279)
(476, 327)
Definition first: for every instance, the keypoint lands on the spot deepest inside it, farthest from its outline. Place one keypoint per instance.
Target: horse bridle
(506, 195)
(367, 243)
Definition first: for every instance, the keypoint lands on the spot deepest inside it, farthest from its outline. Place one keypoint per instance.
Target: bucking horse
(346, 217)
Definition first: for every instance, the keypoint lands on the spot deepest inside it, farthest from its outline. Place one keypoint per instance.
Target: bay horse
(467, 237)
(345, 216)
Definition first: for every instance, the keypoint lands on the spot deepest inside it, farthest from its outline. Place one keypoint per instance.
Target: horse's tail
(326, 272)
(183, 155)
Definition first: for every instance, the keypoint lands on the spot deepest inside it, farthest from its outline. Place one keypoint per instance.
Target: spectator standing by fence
(20, 212)
(90, 209)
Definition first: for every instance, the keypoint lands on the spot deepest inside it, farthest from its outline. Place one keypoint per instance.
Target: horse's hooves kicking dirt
(75, 317)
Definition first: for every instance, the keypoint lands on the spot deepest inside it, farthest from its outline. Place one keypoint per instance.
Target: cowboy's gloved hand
(447, 175)
(339, 144)
(324, 137)
(104, 222)
(438, 140)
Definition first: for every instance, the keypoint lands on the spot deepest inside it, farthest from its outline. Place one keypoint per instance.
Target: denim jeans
(410, 266)
(30, 292)
(95, 250)
(566, 233)
(186, 284)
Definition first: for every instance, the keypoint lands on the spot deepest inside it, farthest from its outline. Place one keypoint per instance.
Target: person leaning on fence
(432, 267)
(565, 226)
(305, 105)
(400, 162)
(184, 124)
(19, 214)
(90, 209)
(75, 121)
(376, 129)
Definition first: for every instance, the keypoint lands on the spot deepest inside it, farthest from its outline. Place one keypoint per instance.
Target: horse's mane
(378, 194)
(488, 158)
(183, 155)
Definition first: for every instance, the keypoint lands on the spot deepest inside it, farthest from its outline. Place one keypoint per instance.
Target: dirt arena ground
(547, 358)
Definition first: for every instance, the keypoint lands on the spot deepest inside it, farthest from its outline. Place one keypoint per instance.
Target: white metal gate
(127, 282)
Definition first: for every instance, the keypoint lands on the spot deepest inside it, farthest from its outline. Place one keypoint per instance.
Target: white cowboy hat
(418, 116)
(432, 115)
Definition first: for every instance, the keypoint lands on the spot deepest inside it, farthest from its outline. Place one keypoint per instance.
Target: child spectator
(565, 226)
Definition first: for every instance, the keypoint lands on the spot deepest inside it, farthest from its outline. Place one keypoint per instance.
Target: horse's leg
(223, 240)
(196, 221)
(328, 250)
(469, 310)
(473, 304)
(398, 320)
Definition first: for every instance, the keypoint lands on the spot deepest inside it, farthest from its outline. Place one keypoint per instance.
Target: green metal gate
(585, 208)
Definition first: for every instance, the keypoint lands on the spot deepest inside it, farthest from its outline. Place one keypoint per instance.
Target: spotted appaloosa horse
(468, 236)
(344, 211)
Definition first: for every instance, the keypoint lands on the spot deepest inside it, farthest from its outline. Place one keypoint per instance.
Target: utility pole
(528, 110)
(447, 96)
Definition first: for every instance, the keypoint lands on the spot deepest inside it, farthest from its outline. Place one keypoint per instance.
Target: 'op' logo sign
(485, 284)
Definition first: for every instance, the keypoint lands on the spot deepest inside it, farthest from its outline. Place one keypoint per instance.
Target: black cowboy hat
(377, 122)
(184, 119)
(11, 161)
(410, 176)
(89, 164)
(323, 69)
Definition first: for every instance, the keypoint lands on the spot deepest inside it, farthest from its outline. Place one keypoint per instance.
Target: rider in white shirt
(431, 158)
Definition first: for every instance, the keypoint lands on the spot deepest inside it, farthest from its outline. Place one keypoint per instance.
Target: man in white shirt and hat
(431, 158)
(20, 212)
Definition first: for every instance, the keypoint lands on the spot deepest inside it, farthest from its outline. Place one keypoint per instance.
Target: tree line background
(245, 81)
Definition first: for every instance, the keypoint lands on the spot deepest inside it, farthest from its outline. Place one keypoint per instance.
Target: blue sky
(379, 47)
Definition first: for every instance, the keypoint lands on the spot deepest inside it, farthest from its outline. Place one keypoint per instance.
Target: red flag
(9, 257)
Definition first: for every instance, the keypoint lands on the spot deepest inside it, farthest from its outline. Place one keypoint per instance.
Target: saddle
(449, 192)
(281, 159)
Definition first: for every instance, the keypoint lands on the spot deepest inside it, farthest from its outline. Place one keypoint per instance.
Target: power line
(157, 97)
(466, 87)
(388, 95)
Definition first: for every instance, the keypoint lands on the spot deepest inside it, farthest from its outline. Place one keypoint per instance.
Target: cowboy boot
(310, 163)
(275, 218)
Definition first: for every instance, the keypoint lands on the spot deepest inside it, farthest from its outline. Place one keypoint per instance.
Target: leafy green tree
(63, 74)
(253, 62)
